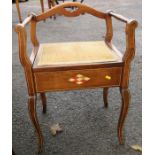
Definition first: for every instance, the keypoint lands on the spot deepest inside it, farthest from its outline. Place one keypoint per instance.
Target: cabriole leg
(125, 93)
(34, 119)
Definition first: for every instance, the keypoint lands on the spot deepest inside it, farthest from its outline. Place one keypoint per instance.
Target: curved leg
(43, 100)
(18, 10)
(105, 97)
(34, 119)
(124, 109)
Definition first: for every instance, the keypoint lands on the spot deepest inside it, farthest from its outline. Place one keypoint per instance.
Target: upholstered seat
(75, 53)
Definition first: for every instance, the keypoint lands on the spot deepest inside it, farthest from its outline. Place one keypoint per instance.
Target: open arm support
(130, 42)
(24, 59)
(131, 25)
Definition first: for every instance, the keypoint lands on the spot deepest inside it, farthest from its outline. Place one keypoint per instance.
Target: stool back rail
(101, 74)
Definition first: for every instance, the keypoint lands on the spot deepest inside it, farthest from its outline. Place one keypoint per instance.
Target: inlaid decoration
(79, 79)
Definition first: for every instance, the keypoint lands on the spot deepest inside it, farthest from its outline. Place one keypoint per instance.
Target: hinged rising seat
(72, 53)
(76, 65)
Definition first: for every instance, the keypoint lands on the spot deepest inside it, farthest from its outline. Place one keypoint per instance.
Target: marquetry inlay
(79, 79)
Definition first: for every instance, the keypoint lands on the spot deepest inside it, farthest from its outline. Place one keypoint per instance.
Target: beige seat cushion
(75, 53)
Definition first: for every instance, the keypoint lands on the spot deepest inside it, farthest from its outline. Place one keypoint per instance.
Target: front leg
(34, 119)
(125, 93)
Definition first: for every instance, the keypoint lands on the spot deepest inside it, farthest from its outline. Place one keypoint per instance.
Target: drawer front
(77, 79)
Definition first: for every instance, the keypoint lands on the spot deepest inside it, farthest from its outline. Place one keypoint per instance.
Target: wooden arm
(130, 43)
(22, 43)
(131, 25)
(24, 59)
(22, 39)
(119, 17)
(130, 40)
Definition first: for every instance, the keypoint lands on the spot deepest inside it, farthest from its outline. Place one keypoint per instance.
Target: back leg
(105, 97)
(43, 100)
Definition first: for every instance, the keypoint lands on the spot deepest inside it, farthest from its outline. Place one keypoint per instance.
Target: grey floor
(89, 129)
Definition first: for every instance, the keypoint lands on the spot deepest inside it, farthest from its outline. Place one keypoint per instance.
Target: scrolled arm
(24, 59)
(22, 41)
(130, 40)
(131, 25)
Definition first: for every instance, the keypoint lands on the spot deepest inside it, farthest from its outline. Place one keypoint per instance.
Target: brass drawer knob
(108, 77)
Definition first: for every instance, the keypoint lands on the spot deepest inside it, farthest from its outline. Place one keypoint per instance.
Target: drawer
(77, 79)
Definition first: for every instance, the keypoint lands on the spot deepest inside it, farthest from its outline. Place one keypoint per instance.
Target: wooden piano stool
(76, 65)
